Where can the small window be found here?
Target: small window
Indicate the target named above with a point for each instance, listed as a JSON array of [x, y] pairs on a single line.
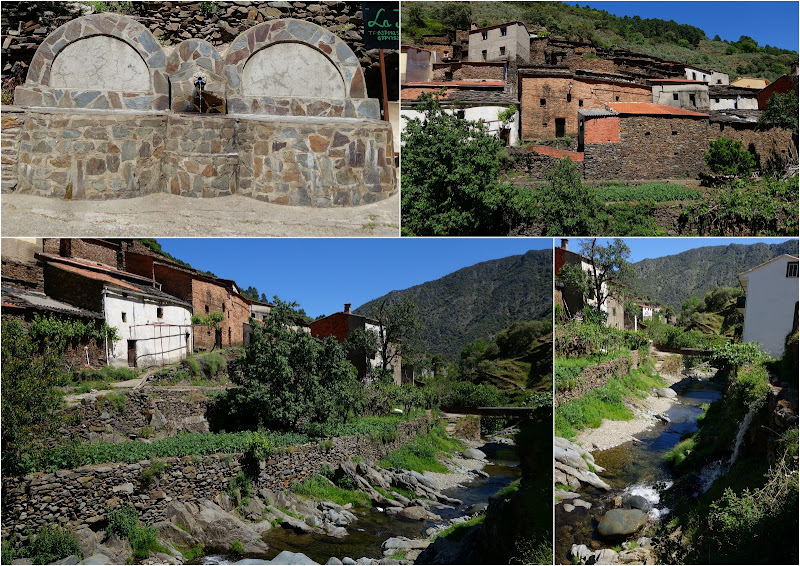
[[674, 132], [791, 269], [159, 312], [719, 81], [460, 114], [544, 124], [616, 98], [580, 102], [721, 127], [485, 35], [124, 317], [569, 97], [692, 99], [647, 133], [206, 309], [483, 54], [542, 101], [448, 75], [716, 100], [502, 50], [503, 31], [694, 76], [674, 96], [223, 307]]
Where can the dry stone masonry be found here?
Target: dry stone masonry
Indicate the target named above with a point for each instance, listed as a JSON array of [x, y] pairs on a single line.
[[281, 115]]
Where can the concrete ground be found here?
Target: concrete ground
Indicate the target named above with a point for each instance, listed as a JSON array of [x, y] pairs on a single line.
[[165, 215]]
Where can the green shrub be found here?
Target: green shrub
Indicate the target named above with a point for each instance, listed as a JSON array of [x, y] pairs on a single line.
[[239, 486], [420, 454], [122, 521], [117, 400], [465, 394], [318, 487], [108, 374], [215, 362], [733, 355], [655, 192], [193, 365], [52, 543], [727, 157], [752, 385], [146, 478], [237, 547]]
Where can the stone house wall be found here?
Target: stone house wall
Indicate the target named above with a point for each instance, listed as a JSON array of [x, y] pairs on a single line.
[[11, 124], [219, 299], [73, 288], [26, 275], [83, 496], [539, 120], [468, 71], [92, 249]]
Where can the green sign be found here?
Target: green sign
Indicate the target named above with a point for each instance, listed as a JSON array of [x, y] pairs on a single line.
[[381, 25]]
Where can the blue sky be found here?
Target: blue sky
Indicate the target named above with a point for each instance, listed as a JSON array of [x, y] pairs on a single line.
[[644, 248], [769, 23], [323, 274]]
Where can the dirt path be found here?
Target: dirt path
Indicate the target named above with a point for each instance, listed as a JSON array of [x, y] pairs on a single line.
[[165, 215]]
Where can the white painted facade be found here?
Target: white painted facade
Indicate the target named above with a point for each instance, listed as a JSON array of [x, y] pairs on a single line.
[[771, 291], [486, 113], [710, 77], [648, 311], [738, 103], [146, 337]]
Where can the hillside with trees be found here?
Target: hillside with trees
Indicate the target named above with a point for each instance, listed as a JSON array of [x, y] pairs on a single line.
[[674, 279], [655, 37], [479, 301]]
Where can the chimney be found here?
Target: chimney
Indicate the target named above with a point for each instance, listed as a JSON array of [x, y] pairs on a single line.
[[347, 308], [564, 244]]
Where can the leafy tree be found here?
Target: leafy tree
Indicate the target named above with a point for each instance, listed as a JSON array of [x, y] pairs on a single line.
[[606, 264], [30, 397], [289, 380], [567, 206], [398, 329], [251, 293], [450, 181], [455, 15], [781, 112], [414, 14], [727, 157], [362, 343]]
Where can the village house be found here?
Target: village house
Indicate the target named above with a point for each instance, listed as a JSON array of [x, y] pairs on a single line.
[[340, 325], [732, 98], [572, 300], [782, 85], [648, 311], [620, 141], [154, 327], [551, 97], [416, 64], [680, 93], [710, 77], [509, 41], [207, 294], [770, 302]]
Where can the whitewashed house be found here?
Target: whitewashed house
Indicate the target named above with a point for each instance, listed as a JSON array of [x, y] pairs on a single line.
[[154, 328], [770, 302], [649, 310]]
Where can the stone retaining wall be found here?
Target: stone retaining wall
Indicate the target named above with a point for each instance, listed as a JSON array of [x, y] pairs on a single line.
[[147, 412], [286, 160], [597, 375], [83, 496]]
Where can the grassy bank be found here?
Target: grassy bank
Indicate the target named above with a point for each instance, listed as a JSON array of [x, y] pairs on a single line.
[[420, 454], [606, 401]]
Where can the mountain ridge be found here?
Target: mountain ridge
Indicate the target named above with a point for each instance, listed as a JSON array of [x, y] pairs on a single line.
[[479, 300]]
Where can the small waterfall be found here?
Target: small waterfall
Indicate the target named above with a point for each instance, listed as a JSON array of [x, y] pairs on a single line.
[[743, 426]]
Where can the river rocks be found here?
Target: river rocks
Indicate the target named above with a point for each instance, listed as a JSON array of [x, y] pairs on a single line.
[[636, 502], [403, 543], [97, 559], [574, 478], [621, 522], [666, 392], [474, 454], [418, 513]]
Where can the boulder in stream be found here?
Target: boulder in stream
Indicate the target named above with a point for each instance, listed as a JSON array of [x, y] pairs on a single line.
[[636, 502], [666, 392], [621, 522], [474, 454]]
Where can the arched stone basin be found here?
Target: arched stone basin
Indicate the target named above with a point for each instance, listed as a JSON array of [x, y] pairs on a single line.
[[313, 139]]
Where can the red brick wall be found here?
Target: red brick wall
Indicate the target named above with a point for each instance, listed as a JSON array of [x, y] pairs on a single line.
[[173, 281], [601, 130], [555, 91], [334, 325], [90, 249], [139, 264], [26, 275], [781, 85]]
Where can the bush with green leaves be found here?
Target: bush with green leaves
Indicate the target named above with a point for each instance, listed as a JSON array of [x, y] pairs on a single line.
[[450, 181], [655, 192], [289, 380], [124, 521], [465, 394], [727, 157], [733, 355], [567, 206], [239, 487], [52, 543]]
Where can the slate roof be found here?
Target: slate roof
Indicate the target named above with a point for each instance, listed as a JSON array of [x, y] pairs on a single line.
[[648, 109], [25, 299], [728, 91], [465, 95]]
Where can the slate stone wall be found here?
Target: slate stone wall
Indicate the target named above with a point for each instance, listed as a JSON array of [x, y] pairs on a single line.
[[83, 496]]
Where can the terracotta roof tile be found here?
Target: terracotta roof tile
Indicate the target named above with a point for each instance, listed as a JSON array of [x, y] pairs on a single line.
[[648, 109]]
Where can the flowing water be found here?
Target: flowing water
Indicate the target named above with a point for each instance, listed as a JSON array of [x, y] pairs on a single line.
[[635, 468], [373, 527]]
